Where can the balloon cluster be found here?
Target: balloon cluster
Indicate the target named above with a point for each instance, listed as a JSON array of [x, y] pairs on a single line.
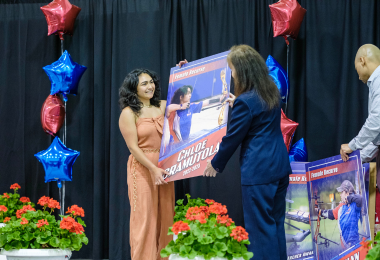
[[287, 16], [64, 75]]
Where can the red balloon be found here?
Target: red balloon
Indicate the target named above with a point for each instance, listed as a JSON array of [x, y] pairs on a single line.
[[60, 17], [288, 127], [287, 16], [52, 114]]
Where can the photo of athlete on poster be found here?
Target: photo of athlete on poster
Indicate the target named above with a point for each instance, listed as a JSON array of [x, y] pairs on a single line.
[[196, 115], [180, 112], [338, 206]]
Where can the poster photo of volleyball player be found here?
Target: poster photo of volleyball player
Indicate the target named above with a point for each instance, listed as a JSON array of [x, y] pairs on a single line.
[[196, 116]]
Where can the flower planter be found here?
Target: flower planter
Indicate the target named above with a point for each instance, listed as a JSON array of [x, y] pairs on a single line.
[[37, 254], [175, 237], [2, 257], [177, 257]]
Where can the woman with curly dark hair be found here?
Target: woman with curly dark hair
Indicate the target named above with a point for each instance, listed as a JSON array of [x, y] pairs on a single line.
[[151, 198]]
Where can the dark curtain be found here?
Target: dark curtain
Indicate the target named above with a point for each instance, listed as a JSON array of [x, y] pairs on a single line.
[[112, 37]]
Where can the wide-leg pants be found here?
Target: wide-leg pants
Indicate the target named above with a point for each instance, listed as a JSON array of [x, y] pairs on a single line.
[[264, 215], [152, 211]]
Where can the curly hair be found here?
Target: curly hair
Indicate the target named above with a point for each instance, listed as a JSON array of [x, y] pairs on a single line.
[[128, 91], [181, 92]]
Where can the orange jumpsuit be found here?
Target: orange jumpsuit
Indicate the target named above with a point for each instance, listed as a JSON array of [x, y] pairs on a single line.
[[152, 206]]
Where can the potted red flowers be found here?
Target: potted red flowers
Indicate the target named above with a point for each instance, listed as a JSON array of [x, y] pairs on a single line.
[[11, 202], [205, 231], [36, 234]]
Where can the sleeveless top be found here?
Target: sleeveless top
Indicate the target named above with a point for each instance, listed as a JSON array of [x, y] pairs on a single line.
[[149, 132]]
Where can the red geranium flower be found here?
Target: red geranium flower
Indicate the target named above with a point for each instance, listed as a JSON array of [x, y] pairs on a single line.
[[3, 208], [71, 225], [67, 223], [6, 195], [218, 209], [43, 201], [53, 204], [224, 220], [15, 186], [48, 202], [196, 213], [24, 221], [180, 226], [42, 222], [209, 201], [24, 210], [24, 199], [7, 219], [206, 210], [75, 210], [77, 228], [239, 234]]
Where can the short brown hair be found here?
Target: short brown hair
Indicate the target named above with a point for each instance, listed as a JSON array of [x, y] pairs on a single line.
[[252, 74]]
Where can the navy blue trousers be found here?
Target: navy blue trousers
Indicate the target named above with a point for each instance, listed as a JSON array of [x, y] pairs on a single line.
[[264, 215]]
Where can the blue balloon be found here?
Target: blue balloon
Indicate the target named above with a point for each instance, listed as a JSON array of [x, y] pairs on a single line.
[[279, 76], [64, 75], [298, 152], [57, 161]]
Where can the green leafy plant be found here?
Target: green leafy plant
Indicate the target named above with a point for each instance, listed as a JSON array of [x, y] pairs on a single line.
[[204, 229], [181, 209], [11, 202], [40, 229], [374, 252]]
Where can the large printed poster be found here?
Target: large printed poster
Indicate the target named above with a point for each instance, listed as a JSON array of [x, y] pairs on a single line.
[[299, 240], [196, 116], [338, 207]]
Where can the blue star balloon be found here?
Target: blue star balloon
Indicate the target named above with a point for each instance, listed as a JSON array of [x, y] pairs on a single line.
[[58, 161], [298, 152], [279, 76], [64, 75]]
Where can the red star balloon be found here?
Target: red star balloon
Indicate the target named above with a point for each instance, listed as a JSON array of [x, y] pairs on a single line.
[[52, 114], [288, 127], [60, 17], [287, 16]]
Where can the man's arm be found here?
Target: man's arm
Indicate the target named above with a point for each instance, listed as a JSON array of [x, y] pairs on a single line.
[[371, 127], [369, 152]]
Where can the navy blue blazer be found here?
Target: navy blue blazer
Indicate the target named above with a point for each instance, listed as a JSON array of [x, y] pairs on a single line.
[[263, 157]]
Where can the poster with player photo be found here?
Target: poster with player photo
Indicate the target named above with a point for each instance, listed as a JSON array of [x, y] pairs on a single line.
[[196, 116], [338, 207]]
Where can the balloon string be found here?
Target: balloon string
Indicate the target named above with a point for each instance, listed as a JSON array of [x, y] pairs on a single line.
[[61, 47], [63, 198], [287, 74], [62, 190], [65, 130], [60, 198]]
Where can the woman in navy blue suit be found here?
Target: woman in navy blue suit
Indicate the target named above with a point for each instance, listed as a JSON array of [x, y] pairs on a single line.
[[264, 161]]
